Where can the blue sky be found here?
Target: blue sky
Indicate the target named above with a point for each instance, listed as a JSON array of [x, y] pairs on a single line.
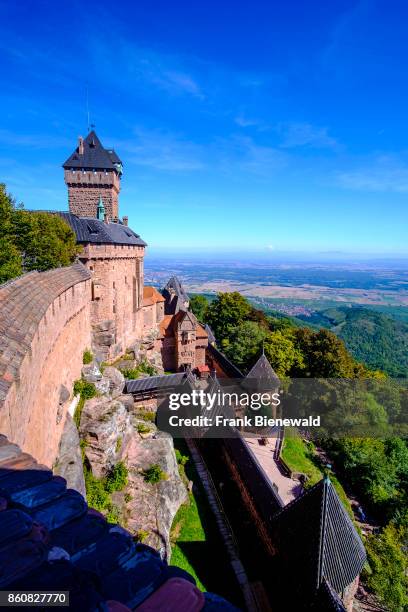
[[245, 126]]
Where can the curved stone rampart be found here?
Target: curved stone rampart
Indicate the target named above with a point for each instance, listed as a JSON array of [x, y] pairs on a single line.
[[44, 329]]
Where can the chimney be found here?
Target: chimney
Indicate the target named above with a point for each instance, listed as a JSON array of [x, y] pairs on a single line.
[[106, 219], [125, 220], [80, 145]]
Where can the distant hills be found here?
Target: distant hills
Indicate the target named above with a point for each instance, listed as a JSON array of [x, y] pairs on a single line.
[[374, 338]]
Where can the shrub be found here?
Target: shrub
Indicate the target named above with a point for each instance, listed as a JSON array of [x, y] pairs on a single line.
[[117, 478], [142, 429], [96, 493], [147, 368], [147, 416], [141, 535], [388, 567], [113, 514], [143, 368], [127, 497], [181, 459], [119, 442], [87, 357], [131, 373], [154, 474], [85, 389]]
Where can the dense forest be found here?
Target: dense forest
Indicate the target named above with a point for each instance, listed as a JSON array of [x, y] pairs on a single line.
[[375, 469], [32, 240], [374, 338]]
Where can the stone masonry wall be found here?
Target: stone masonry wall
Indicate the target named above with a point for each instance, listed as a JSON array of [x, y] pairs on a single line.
[[44, 329], [85, 188], [117, 296]]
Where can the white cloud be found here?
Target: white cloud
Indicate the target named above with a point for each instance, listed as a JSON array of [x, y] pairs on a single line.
[[163, 150], [259, 159], [184, 82], [243, 121], [305, 135], [385, 173]]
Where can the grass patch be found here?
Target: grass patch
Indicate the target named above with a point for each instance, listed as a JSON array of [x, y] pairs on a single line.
[[98, 490], [196, 544], [146, 416], [87, 357], [154, 474], [85, 390], [143, 368], [188, 527], [300, 456], [141, 535], [143, 429]]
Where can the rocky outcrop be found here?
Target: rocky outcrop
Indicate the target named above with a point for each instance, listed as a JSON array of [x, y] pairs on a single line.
[[106, 430], [111, 432], [91, 373], [145, 350], [116, 380], [111, 382], [103, 338], [153, 506], [69, 461]]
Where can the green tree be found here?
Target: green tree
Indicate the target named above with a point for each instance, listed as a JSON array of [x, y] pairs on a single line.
[[46, 241], [325, 356], [32, 240], [10, 256], [199, 305], [387, 576], [282, 353], [226, 312], [244, 343]]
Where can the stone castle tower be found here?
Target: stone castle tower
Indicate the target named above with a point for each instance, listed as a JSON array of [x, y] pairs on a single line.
[[111, 251], [92, 175]]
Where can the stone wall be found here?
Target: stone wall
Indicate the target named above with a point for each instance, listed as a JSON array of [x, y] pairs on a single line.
[[152, 315], [85, 187], [44, 329], [117, 296]]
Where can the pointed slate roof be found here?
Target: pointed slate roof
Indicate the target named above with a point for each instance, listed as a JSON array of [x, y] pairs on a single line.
[[175, 296], [210, 334], [262, 369], [94, 157], [327, 600], [318, 539], [262, 375]]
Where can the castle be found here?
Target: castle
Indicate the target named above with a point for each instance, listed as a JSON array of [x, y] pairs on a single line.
[[48, 320], [123, 310]]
